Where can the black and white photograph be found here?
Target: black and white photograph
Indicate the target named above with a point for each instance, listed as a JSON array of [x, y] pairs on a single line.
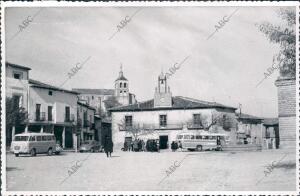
[[152, 97]]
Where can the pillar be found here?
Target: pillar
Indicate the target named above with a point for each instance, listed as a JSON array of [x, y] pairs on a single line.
[[64, 137], [26, 129], [42, 129], [13, 132], [75, 142]]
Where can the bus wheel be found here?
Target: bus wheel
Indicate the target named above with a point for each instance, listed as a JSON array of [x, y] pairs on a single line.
[[199, 148], [17, 155], [50, 152], [32, 152]]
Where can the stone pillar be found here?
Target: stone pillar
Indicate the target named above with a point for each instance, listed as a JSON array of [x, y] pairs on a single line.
[[13, 133], [64, 137], [287, 112], [75, 142]]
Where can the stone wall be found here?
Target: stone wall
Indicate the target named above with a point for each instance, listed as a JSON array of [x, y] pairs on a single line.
[[287, 112]]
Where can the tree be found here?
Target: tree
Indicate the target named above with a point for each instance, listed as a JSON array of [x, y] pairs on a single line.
[[15, 117], [216, 120], [135, 129], [284, 35]]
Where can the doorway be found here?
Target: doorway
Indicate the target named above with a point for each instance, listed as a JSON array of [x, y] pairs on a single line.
[[163, 142]]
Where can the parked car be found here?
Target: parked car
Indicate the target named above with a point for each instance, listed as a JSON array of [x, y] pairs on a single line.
[[58, 149], [33, 143], [151, 145], [90, 146]]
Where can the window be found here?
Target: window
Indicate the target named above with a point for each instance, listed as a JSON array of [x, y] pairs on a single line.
[[163, 120], [187, 137], [50, 93], [197, 120], [92, 97], [32, 138], [21, 138], [18, 75], [38, 138], [125, 85], [198, 137], [179, 136], [67, 117], [38, 112], [206, 137], [121, 92], [49, 138], [121, 85], [50, 113], [192, 137], [44, 138], [16, 101], [128, 121]]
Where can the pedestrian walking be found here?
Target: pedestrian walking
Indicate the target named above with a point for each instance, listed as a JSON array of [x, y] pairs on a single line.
[[108, 146]]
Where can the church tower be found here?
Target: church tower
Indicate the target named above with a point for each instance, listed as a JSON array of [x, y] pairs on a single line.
[[162, 96], [122, 88]]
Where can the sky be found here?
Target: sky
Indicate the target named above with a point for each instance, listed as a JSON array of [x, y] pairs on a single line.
[[224, 68]]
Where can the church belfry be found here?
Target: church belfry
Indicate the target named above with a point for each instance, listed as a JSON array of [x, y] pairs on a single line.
[[163, 95], [122, 88]]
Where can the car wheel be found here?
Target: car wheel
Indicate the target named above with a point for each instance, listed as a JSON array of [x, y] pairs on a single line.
[[32, 152], [57, 153], [199, 148], [50, 152], [17, 155], [92, 150]]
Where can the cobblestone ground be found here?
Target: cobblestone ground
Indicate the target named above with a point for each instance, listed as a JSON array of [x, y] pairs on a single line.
[[141, 171]]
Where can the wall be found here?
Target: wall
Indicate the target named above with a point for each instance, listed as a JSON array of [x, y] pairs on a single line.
[[152, 117], [59, 100], [287, 112]]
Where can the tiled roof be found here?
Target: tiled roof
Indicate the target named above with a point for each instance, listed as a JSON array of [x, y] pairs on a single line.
[[38, 84], [247, 116], [270, 121], [178, 102], [94, 91], [17, 66], [85, 105], [121, 78]]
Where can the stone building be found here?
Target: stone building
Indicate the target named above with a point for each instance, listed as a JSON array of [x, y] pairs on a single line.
[[97, 97], [287, 112]]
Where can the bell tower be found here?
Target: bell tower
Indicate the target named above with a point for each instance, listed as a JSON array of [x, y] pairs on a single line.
[[122, 88], [163, 95]]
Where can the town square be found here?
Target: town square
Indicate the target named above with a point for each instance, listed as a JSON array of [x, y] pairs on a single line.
[[142, 97]]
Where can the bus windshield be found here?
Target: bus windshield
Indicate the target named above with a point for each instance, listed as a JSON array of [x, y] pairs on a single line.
[[21, 138]]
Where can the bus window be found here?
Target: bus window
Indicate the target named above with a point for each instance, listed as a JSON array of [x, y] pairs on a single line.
[[44, 138], [38, 138], [192, 137], [206, 137], [21, 138], [213, 137], [179, 136], [49, 138], [32, 138], [198, 137], [187, 137]]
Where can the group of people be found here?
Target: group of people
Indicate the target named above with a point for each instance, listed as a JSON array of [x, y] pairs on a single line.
[[136, 145]]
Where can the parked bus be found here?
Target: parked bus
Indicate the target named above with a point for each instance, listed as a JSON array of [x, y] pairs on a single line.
[[33, 143], [202, 141]]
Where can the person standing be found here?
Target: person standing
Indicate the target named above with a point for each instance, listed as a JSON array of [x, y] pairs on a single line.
[[108, 146]]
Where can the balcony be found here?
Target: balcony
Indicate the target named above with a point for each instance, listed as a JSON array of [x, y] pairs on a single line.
[[40, 116], [70, 118], [145, 126], [86, 123], [195, 125]]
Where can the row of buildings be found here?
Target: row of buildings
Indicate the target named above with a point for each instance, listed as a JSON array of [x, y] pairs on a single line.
[[90, 114], [73, 116], [164, 116]]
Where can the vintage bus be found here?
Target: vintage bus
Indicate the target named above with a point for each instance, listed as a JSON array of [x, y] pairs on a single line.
[[202, 141], [33, 143]]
